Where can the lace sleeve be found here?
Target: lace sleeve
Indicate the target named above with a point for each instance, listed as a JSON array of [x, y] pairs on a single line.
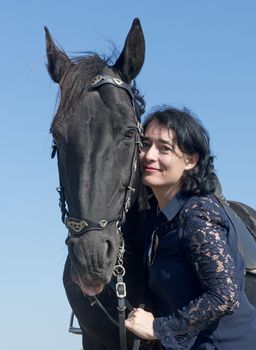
[[205, 246]]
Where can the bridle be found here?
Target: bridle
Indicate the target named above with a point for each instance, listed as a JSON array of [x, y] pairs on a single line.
[[78, 227]]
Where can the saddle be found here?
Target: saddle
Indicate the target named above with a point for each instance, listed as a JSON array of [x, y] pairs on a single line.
[[243, 218]]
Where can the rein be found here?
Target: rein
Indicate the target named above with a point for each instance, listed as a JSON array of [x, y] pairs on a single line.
[[78, 227]]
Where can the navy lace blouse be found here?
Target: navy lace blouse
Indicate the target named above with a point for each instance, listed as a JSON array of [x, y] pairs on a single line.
[[196, 278]]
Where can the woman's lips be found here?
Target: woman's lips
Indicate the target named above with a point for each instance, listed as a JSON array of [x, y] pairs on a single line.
[[149, 169]]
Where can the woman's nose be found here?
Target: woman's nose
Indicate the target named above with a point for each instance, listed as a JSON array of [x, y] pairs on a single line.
[[151, 153]]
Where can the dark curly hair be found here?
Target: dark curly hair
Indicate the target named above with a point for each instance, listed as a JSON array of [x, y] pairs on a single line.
[[192, 138]]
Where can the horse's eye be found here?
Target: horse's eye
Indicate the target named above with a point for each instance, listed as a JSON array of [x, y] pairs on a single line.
[[54, 149], [129, 134]]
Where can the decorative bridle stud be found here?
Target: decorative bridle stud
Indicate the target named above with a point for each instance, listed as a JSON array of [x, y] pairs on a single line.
[[76, 226], [103, 223]]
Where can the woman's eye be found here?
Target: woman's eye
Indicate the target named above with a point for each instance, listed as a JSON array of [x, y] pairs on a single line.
[[145, 145], [165, 149]]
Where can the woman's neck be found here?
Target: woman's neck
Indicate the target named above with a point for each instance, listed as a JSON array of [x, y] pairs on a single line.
[[164, 195]]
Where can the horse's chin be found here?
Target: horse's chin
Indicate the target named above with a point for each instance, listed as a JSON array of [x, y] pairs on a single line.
[[91, 286], [89, 289], [92, 290]]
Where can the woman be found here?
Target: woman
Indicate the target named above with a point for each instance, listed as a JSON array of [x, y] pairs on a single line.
[[195, 270]]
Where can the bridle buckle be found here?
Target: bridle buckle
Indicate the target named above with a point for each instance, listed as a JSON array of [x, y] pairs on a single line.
[[121, 290]]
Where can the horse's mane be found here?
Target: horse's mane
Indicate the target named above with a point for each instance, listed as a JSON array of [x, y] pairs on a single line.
[[78, 75]]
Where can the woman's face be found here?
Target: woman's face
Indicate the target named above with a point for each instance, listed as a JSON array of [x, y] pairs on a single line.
[[161, 161]]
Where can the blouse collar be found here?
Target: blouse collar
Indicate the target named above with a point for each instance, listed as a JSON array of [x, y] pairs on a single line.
[[174, 205]]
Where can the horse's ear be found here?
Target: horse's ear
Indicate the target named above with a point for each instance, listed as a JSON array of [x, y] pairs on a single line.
[[57, 59], [131, 58]]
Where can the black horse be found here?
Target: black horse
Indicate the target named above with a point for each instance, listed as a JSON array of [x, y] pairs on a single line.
[[96, 134]]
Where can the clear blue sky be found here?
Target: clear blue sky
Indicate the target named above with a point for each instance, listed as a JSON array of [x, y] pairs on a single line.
[[201, 54]]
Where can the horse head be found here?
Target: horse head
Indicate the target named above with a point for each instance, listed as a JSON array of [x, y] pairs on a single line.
[[96, 133]]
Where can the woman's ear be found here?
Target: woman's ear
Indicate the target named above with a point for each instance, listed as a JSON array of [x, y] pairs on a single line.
[[190, 161]]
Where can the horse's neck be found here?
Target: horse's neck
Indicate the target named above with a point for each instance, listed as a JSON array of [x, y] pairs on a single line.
[[134, 228], [134, 235]]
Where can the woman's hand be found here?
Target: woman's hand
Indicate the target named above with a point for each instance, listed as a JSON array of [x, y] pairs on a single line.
[[140, 322]]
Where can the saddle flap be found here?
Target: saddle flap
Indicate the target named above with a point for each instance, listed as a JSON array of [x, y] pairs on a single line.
[[246, 238]]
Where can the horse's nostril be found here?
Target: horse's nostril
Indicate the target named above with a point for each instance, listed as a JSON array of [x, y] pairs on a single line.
[[71, 245], [108, 249], [67, 241]]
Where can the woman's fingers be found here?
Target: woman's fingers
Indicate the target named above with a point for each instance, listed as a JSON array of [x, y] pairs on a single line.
[[140, 323]]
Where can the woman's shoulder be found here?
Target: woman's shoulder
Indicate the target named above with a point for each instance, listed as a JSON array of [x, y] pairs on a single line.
[[205, 207], [202, 201]]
